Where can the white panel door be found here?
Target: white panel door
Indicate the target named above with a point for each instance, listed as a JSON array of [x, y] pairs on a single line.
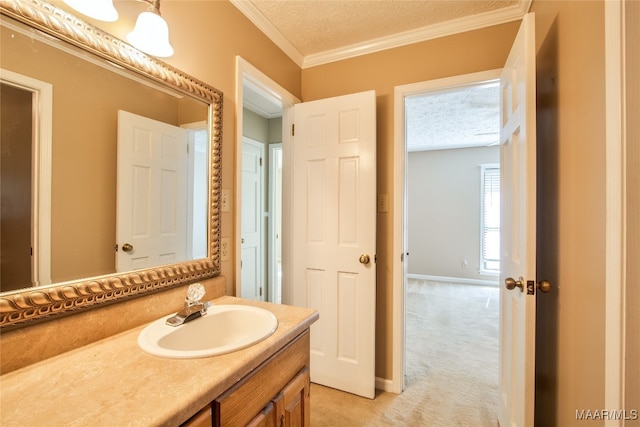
[[518, 234], [334, 236], [152, 193], [252, 244]]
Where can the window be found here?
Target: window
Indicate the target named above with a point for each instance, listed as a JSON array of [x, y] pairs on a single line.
[[490, 219]]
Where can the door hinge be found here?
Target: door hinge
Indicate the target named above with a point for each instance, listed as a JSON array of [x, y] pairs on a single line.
[[293, 130], [260, 290], [260, 161]]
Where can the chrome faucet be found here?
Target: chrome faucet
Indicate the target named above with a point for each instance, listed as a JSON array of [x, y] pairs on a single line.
[[193, 307]]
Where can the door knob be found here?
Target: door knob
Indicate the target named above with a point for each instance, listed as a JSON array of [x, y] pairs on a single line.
[[364, 259], [544, 286], [127, 247], [511, 283]]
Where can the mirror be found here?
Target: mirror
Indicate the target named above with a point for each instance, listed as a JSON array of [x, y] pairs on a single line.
[[74, 210]]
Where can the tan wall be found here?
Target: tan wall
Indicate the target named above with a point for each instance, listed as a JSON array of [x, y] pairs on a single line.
[[465, 53]]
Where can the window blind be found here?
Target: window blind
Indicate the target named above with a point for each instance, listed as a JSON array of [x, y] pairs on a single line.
[[490, 223]]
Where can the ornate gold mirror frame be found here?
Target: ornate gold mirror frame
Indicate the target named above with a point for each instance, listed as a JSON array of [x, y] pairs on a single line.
[[23, 307]]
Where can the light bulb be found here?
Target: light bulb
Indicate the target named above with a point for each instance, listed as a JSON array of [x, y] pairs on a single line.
[[151, 35]]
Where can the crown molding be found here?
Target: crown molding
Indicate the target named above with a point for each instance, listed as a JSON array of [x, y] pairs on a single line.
[[430, 32], [258, 19]]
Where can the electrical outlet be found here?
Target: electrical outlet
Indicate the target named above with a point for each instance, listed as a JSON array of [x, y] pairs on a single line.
[[225, 248], [225, 200]]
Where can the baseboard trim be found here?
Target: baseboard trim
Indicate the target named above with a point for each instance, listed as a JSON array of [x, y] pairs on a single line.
[[454, 279], [384, 385]]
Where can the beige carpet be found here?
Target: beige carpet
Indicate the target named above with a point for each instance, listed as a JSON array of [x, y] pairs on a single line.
[[452, 365]]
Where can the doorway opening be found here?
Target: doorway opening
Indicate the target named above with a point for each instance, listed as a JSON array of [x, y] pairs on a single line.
[[197, 191], [263, 112], [25, 181], [448, 150], [275, 224]]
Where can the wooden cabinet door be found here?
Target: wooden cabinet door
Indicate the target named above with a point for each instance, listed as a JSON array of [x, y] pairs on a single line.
[[270, 415], [290, 408], [295, 401]]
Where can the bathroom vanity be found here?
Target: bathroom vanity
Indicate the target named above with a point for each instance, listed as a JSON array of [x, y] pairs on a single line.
[[112, 382]]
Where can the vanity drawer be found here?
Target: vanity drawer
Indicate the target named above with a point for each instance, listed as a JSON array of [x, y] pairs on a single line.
[[246, 399]]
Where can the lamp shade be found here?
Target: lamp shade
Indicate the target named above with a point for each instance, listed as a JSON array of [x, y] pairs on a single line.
[[151, 35], [102, 10]]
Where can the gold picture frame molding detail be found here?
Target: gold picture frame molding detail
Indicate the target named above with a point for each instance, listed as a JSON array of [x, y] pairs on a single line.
[[26, 306]]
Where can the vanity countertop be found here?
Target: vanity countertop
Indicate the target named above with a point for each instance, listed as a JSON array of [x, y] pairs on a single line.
[[114, 383]]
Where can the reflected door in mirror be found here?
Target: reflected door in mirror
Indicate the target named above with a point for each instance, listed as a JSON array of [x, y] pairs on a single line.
[[154, 226], [15, 187], [152, 188]]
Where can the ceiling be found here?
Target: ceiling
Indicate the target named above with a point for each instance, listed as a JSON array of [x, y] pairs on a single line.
[[458, 118], [315, 32]]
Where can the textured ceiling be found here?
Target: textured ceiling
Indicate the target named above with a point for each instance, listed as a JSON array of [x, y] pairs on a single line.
[[315, 26], [465, 117]]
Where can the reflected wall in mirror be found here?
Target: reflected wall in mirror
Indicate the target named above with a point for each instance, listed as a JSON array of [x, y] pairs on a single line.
[[80, 84]]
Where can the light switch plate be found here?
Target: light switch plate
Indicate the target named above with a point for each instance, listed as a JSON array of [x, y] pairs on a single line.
[[225, 248], [383, 203], [225, 200]]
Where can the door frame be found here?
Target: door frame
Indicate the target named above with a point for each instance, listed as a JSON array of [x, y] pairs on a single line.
[[194, 215], [41, 169], [615, 142], [396, 383], [275, 217], [246, 71]]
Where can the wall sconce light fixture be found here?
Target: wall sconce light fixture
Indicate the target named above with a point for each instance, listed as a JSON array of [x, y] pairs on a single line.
[[150, 34]]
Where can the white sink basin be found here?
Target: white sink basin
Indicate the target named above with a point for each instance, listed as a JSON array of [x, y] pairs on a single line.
[[225, 328]]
